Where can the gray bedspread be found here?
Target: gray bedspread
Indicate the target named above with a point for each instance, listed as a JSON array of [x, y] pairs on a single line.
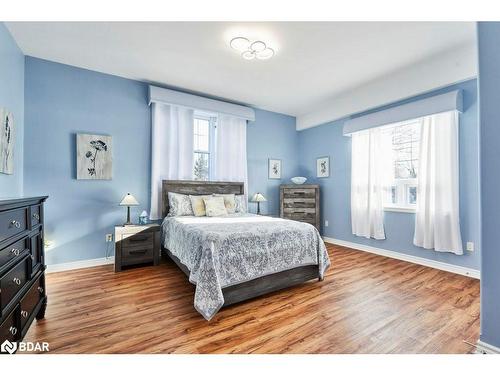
[[228, 250]]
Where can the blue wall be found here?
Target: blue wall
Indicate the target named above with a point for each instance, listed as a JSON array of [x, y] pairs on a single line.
[[489, 93], [272, 135], [12, 99], [328, 140], [61, 101]]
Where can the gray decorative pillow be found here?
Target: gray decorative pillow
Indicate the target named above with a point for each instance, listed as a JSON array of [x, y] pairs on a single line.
[[240, 204], [179, 205]]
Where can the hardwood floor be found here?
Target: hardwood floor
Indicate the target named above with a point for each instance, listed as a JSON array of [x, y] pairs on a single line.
[[366, 304]]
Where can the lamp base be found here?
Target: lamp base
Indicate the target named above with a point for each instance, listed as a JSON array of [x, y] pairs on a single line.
[[128, 222]]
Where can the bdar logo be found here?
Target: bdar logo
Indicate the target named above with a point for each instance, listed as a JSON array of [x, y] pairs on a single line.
[[8, 347]]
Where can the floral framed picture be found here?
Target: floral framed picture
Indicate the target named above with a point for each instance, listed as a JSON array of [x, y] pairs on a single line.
[[274, 169], [94, 159], [323, 167], [6, 142]]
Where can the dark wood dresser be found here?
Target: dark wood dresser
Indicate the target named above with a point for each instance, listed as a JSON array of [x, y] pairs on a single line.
[[22, 266], [301, 203]]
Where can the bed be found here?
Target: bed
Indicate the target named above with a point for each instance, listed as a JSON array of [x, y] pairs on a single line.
[[238, 256]]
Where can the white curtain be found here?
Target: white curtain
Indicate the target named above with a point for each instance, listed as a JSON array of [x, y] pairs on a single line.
[[231, 150], [172, 149], [370, 168], [437, 222]]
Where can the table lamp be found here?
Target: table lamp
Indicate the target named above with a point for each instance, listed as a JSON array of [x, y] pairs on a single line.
[[258, 197], [128, 200]]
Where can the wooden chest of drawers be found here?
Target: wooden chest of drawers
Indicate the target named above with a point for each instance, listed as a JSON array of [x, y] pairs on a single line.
[[301, 203], [22, 267]]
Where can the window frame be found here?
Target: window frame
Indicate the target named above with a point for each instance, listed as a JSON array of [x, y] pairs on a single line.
[[402, 185], [212, 126]]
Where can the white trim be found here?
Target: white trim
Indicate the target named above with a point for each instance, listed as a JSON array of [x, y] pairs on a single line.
[[470, 272], [167, 96], [485, 348], [59, 267], [409, 210]]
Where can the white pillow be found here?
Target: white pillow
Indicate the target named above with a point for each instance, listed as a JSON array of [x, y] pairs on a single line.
[[198, 205], [229, 202], [214, 206], [179, 205]]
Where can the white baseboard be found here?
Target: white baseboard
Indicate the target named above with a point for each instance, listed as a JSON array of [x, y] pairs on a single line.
[[79, 264], [485, 348], [408, 258]]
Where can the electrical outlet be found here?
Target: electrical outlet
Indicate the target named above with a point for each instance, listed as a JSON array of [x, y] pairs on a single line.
[[109, 237], [326, 223], [470, 246]]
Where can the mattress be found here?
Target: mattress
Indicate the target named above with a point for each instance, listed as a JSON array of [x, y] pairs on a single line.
[[232, 249]]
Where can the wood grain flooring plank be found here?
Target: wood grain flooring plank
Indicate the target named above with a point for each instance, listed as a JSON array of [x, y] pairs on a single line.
[[366, 304]]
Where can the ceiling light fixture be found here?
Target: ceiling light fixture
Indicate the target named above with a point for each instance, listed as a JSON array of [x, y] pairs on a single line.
[[240, 44], [250, 51]]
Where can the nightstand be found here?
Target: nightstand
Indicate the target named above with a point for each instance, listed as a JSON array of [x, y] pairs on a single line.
[[137, 244]]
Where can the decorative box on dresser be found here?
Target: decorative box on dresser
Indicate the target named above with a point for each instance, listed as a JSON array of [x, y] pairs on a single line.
[[301, 203], [22, 266]]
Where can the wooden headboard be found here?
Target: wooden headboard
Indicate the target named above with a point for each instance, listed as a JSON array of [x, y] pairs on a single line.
[[197, 188]]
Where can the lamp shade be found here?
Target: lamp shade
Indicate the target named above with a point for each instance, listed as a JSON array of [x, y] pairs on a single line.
[[258, 197], [129, 200]]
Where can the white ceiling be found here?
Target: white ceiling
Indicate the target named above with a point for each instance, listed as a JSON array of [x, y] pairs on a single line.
[[314, 61]]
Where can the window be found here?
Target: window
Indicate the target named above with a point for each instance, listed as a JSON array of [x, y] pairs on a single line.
[[405, 142], [204, 128]]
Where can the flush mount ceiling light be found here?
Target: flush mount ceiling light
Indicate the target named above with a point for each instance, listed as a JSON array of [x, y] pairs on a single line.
[[251, 50], [240, 44]]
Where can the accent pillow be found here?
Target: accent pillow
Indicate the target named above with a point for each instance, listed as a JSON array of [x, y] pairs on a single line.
[[179, 205], [229, 202], [241, 206], [214, 206], [198, 205]]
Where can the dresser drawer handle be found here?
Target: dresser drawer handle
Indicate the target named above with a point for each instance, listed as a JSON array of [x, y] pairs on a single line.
[[137, 252], [138, 239], [24, 314], [36, 216], [13, 330], [16, 252], [40, 289], [15, 223], [16, 281]]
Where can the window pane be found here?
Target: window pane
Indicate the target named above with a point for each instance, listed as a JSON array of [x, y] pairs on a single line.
[[394, 195], [405, 141], [203, 143], [203, 127], [201, 166], [412, 195], [201, 135], [405, 169], [405, 146]]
